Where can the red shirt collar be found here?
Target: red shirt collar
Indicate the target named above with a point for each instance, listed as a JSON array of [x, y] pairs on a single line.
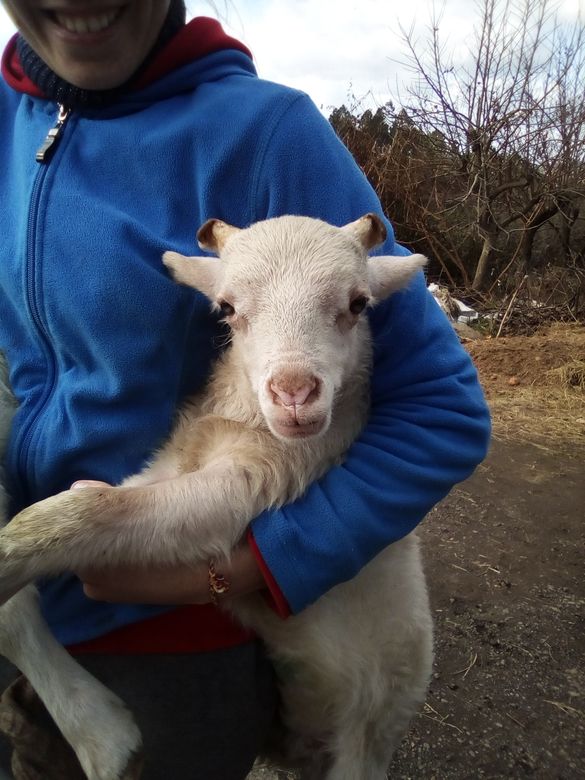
[[201, 36]]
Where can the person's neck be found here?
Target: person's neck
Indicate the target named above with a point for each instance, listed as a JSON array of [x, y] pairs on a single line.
[[61, 91]]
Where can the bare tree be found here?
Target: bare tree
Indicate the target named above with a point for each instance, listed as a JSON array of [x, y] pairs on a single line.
[[513, 121]]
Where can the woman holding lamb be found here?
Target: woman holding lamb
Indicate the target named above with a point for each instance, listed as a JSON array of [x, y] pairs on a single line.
[[124, 128]]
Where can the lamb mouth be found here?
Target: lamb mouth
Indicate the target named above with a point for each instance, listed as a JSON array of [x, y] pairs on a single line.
[[292, 429]]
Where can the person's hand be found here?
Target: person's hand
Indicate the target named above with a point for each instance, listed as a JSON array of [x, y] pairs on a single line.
[[177, 584]]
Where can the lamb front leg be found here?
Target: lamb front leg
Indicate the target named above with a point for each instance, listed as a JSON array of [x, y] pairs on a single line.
[[184, 520], [94, 721]]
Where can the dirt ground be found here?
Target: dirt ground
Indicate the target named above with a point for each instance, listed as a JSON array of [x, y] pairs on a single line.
[[505, 563]]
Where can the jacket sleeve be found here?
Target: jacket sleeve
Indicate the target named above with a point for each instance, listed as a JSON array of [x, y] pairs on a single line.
[[428, 426]]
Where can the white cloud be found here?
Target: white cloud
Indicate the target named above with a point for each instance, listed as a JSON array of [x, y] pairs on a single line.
[[6, 27], [331, 48], [336, 49], [326, 47]]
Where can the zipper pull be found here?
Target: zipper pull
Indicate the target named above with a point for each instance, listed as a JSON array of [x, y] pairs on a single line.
[[49, 145]]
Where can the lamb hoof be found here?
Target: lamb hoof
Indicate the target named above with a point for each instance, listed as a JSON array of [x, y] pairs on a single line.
[[134, 768], [113, 749], [110, 770]]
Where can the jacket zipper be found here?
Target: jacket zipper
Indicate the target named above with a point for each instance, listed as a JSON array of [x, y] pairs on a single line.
[[47, 149], [43, 156]]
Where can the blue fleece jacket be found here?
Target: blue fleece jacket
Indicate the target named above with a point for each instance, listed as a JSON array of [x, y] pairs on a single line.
[[102, 345]]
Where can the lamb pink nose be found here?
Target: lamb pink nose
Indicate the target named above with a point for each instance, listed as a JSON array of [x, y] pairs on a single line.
[[293, 393]]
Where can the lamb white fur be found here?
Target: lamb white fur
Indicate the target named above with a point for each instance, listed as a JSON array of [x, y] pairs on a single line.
[[283, 405]]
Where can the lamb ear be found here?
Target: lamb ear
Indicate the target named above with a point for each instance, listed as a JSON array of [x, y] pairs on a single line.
[[203, 273], [369, 230], [213, 234], [389, 274]]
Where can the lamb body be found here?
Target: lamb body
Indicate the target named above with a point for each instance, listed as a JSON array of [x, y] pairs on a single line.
[[283, 406]]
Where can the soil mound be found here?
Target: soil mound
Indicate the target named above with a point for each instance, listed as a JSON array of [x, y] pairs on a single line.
[[535, 385]]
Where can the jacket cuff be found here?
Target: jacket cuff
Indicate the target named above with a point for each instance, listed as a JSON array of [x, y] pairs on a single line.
[[274, 596]]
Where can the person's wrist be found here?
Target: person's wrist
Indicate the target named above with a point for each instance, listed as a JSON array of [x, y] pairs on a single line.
[[218, 583], [237, 576]]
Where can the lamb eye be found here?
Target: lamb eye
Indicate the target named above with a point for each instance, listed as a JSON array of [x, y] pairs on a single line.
[[226, 308], [358, 304]]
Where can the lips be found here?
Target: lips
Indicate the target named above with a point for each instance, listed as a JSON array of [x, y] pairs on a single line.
[[88, 23]]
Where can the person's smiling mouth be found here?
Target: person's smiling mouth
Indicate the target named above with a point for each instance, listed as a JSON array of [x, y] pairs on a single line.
[[87, 23]]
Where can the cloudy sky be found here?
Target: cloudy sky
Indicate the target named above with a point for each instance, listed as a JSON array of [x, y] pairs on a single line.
[[334, 49]]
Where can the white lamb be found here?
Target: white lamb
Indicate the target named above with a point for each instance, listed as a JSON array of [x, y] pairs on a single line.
[[284, 403]]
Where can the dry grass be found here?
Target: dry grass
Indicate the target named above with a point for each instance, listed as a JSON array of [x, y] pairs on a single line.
[[539, 415], [570, 375], [535, 385]]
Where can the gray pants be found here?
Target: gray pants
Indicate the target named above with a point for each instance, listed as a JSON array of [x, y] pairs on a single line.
[[202, 715]]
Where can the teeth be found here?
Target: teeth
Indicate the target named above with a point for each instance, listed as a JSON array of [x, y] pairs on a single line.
[[86, 24]]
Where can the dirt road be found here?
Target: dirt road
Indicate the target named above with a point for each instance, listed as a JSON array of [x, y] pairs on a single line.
[[504, 556]]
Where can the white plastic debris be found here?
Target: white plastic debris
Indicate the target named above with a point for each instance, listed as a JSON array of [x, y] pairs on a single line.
[[456, 310]]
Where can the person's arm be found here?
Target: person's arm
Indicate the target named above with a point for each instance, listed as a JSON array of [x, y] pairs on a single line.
[[429, 424], [178, 584], [428, 427]]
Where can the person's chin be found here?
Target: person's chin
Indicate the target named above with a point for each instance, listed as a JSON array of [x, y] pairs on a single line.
[[95, 76]]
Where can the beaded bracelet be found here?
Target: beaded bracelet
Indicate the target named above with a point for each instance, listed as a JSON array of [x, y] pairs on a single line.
[[218, 584]]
